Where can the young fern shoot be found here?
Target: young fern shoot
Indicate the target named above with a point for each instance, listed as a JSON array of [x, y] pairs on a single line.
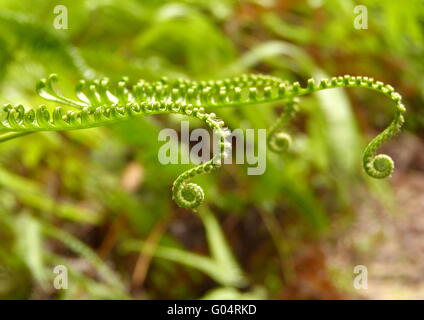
[[99, 103], [278, 140]]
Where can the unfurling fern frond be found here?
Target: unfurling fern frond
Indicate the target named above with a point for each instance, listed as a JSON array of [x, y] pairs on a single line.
[[279, 141], [100, 103]]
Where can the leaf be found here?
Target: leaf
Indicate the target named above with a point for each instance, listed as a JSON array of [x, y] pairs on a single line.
[[342, 131], [221, 266], [29, 245], [220, 250], [107, 274], [31, 194]]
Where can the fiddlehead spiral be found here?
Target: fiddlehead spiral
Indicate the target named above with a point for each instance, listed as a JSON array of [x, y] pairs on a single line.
[[381, 166], [375, 165], [102, 103], [277, 140], [190, 195]]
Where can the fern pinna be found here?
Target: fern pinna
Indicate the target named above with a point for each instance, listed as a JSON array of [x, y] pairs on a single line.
[[100, 103]]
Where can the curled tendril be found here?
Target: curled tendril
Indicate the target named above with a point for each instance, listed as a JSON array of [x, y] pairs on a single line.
[[277, 140], [189, 195], [382, 166], [100, 102]]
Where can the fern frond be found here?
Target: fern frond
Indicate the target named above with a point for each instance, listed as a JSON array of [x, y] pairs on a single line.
[[101, 103]]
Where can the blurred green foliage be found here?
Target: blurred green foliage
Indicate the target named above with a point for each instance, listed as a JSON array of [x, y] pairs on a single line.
[[99, 202]]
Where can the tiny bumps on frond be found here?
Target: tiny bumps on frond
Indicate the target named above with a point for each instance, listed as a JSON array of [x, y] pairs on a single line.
[[19, 119], [246, 89]]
